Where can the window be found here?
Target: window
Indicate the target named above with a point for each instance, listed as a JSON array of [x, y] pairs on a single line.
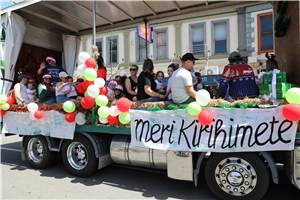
[[198, 40], [161, 45], [99, 45], [84, 46], [113, 49], [265, 32], [142, 48], [220, 37]]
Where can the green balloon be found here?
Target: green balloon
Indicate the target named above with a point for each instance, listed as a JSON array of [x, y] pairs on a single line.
[[86, 94], [101, 100], [124, 118], [293, 95], [194, 108], [90, 74], [3, 99], [69, 106], [5, 106], [103, 111]]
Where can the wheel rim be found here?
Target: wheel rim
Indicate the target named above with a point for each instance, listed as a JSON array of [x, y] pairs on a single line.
[[77, 155], [236, 176], [35, 150]]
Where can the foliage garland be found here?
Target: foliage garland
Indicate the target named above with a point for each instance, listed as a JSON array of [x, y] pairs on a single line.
[[282, 22]]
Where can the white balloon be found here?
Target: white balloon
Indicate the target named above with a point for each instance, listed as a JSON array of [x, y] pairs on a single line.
[[32, 107], [100, 82], [114, 111], [31, 116], [93, 91], [203, 97], [83, 56], [81, 68], [80, 119], [103, 120]]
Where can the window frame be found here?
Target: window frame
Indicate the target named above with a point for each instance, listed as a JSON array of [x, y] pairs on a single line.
[[99, 39], [154, 43], [213, 36], [108, 49], [137, 48], [259, 16], [203, 24]]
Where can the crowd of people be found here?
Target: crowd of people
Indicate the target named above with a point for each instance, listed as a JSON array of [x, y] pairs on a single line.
[[238, 81]]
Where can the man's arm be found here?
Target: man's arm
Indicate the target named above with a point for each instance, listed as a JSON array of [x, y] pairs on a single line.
[[191, 91], [42, 66], [223, 85], [17, 89]]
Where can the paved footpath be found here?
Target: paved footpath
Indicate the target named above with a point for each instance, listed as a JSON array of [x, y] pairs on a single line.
[[20, 181]]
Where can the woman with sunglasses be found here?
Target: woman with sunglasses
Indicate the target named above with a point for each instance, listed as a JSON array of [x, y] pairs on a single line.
[[131, 83], [62, 89], [46, 90]]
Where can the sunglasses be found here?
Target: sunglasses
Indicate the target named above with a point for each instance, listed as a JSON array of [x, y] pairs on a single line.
[[118, 90], [47, 78], [192, 61], [132, 69]]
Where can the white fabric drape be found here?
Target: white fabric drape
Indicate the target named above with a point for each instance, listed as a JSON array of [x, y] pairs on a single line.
[[16, 28], [71, 45]]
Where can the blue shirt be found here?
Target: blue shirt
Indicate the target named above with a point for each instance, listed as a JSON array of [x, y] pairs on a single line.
[[54, 71]]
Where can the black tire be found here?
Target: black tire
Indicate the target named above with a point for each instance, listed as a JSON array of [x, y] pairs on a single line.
[[37, 152], [237, 176], [78, 156]]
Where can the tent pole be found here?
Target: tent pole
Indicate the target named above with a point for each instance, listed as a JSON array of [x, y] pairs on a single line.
[[94, 22]]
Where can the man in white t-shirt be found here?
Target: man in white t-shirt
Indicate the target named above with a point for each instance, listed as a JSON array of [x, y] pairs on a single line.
[[182, 83]]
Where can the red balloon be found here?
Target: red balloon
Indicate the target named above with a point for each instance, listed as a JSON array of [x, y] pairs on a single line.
[[101, 73], [86, 84], [103, 67], [205, 117], [39, 114], [291, 112], [70, 117], [88, 102], [80, 88], [11, 100], [2, 112], [123, 104], [103, 90], [90, 63], [112, 119]]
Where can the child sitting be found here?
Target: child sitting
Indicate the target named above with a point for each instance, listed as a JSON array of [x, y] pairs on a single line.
[[111, 87], [31, 92], [160, 87], [71, 92], [119, 91], [171, 68]]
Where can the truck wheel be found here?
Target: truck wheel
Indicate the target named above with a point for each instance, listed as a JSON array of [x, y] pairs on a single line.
[[237, 176], [78, 156], [37, 152]]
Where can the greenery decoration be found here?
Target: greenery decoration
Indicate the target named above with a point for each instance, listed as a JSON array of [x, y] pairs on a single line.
[[173, 107], [95, 116], [87, 112], [155, 108], [282, 22]]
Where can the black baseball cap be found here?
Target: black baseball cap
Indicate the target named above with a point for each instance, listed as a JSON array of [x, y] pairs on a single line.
[[188, 56]]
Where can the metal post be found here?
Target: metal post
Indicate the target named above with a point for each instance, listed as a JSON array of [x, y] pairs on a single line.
[[146, 37], [111, 44], [94, 22]]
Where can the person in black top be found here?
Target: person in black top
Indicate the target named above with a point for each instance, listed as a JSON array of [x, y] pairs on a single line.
[[146, 84], [131, 83]]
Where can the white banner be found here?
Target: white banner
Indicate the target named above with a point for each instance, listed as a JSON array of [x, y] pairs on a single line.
[[232, 130], [53, 124]]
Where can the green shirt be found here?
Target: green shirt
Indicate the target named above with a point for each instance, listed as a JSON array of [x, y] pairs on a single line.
[[45, 95]]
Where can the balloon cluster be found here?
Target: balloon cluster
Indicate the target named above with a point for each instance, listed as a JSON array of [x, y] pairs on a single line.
[[5, 103], [93, 87], [35, 113], [196, 108], [115, 113], [69, 107], [291, 111]]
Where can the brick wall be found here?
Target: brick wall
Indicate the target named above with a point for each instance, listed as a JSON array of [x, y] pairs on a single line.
[[287, 47]]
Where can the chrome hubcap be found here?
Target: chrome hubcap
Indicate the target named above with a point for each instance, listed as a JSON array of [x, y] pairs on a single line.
[[236, 176], [77, 155], [35, 150]]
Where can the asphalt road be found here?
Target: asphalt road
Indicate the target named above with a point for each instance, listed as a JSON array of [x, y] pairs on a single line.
[[20, 181]]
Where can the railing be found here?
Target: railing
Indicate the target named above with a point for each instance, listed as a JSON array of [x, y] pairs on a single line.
[[199, 51], [115, 70]]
